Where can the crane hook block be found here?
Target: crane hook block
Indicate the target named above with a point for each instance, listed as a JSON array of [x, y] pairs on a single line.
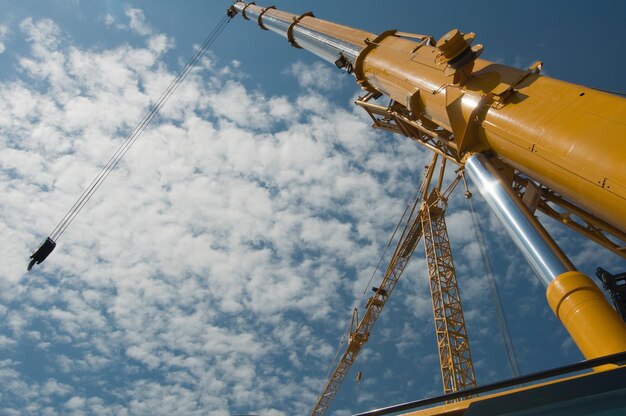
[[42, 252]]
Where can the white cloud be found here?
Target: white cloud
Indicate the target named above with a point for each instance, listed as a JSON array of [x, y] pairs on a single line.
[[160, 43], [44, 33], [109, 20], [138, 22], [4, 30], [319, 75], [156, 42]]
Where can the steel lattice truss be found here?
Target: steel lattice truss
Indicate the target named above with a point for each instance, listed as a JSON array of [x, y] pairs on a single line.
[[457, 370], [426, 219]]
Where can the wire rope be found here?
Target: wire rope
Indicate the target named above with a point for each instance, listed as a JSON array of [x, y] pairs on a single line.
[[409, 202], [125, 146], [495, 294]]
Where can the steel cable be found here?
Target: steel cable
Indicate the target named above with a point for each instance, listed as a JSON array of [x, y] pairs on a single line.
[[409, 202], [125, 146], [495, 294]]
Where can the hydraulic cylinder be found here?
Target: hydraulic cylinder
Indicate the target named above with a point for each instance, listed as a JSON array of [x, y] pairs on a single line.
[[593, 324]]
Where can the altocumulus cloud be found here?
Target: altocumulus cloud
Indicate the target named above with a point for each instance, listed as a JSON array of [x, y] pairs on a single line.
[[214, 270], [198, 279], [3, 33]]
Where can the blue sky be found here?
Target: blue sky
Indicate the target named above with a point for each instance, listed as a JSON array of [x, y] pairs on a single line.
[[216, 270]]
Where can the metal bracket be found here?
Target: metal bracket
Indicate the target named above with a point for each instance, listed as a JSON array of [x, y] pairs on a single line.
[[296, 20], [465, 132], [574, 217], [260, 21], [425, 41], [359, 73], [394, 118], [535, 69], [616, 286], [243, 12]]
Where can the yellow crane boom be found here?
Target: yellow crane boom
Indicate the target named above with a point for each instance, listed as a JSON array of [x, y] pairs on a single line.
[[529, 142], [540, 126]]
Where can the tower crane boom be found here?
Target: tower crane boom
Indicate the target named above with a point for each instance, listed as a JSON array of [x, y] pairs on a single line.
[[410, 236]]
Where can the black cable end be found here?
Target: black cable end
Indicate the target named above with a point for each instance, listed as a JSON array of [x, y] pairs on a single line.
[[42, 252]]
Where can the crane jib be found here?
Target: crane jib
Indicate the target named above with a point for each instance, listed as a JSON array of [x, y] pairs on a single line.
[[544, 128], [553, 146]]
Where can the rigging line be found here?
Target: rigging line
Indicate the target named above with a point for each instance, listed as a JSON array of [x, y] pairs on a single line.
[[411, 197], [495, 295], [124, 146], [406, 208], [131, 138], [136, 132], [333, 363]]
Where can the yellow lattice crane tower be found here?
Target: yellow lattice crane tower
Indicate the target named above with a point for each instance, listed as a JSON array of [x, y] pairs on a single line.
[[426, 219], [530, 143], [457, 369]]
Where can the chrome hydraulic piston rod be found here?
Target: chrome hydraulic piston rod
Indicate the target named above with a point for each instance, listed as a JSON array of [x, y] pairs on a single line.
[[540, 251], [593, 324]]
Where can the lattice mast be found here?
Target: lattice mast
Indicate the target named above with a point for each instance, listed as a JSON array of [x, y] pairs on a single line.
[[426, 219], [457, 368], [455, 358]]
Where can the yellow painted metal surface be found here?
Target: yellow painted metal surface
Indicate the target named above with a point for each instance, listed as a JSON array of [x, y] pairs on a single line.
[[457, 367], [459, 408], [593, 324], [567, 137]]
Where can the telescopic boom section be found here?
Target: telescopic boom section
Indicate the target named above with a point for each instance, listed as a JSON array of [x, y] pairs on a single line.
[[337, 44], [566, 138], [557, 145]]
